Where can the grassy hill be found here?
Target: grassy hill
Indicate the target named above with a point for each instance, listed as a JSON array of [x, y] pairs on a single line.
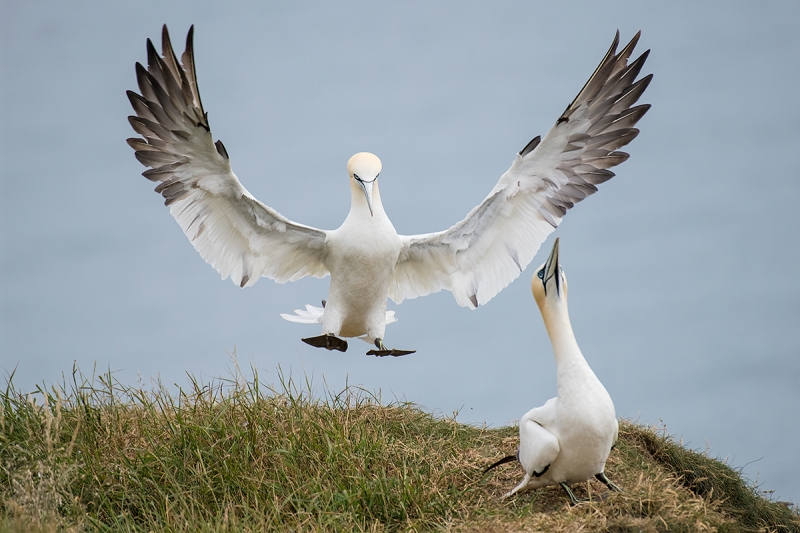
[[93, 455]]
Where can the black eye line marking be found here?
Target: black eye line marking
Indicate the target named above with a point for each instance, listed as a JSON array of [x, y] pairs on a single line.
[[556, 274], [355, 176]]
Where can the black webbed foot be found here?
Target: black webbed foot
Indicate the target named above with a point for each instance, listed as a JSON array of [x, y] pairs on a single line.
[[393, 352], [327, 341], [607, 482], [383, 351]]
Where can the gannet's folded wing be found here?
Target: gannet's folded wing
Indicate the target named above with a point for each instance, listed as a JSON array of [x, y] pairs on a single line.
[[538, 447], [235, 233], [482, 254]]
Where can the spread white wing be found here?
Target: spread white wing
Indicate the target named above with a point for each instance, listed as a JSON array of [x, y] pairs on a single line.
[[482, 254], [235, 233]]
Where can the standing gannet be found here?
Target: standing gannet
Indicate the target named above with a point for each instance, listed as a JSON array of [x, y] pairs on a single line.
[[568, 439], [367, 260]]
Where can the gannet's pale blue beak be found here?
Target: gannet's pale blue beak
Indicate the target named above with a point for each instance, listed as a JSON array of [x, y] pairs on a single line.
[[366, 186], [551, 269]]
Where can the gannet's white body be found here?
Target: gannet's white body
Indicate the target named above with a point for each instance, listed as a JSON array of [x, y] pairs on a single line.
[[569, 438], [362, 258], [367, 260]]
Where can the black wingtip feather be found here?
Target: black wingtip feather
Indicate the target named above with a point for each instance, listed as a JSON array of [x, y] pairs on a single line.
[[504, 460], [134, 142], [187, 58], [626, 52], [166, 43], [190, 40], [221, 149], [590, 88], [632, 95], [639, 111], [531, 146], [152, 54]]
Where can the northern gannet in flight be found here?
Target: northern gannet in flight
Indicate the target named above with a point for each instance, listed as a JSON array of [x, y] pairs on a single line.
[[569, 438], [367, 260]]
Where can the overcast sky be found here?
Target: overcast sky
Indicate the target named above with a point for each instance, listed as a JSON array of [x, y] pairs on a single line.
[[683, 269]]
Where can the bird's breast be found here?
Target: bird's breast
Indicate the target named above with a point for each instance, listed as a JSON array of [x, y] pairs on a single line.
[[362, 247], [362, 262]]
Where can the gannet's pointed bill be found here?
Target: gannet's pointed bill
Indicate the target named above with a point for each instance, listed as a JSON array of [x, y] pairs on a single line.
[[366, 186], [364, 168], [550, 270]]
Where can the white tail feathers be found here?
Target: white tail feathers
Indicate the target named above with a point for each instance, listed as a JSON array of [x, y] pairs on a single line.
[[313, 315]]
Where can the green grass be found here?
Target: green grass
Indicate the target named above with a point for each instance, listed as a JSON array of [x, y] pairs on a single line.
[[236, 455]]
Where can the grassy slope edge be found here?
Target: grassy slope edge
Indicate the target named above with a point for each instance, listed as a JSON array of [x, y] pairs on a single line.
[[94, 455]]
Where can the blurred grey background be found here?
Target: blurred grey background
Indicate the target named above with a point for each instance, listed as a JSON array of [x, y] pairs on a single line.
[[683, 269]]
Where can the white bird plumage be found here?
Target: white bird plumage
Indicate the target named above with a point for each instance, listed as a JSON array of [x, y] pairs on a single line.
[[569, 438], [368, 261]]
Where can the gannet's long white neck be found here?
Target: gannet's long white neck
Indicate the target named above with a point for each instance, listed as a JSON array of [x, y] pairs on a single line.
[[559, 328], [549, 288]]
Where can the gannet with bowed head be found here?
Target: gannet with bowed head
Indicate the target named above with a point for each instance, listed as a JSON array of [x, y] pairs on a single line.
[[368, 261], [569, 438], [361, 257]]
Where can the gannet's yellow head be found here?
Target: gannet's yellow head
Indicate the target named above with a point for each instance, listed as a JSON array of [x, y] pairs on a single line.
[[364, 169], [549, 283]]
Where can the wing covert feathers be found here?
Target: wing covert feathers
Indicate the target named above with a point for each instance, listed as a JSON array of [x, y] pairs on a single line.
[[235, 233], [482, 254]]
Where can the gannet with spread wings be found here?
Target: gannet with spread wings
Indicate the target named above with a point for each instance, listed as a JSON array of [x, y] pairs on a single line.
[[368, 261]]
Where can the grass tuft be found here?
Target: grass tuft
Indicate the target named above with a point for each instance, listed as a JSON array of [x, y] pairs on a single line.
[[239, 455], [715, 481]]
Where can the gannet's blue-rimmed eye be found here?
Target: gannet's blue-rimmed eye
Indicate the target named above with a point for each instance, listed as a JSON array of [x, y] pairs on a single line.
[[355, 175], [541, 274]]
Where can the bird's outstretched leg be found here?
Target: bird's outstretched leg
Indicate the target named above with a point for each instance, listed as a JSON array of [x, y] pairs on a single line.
[[607, 482], [383, 351], [327, 341], [572, 498]]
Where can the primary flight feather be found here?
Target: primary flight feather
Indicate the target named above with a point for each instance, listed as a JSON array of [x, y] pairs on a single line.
[[368, 261]]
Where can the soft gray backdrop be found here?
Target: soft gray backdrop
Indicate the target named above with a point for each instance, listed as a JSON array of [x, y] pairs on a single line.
[[683, 270]]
